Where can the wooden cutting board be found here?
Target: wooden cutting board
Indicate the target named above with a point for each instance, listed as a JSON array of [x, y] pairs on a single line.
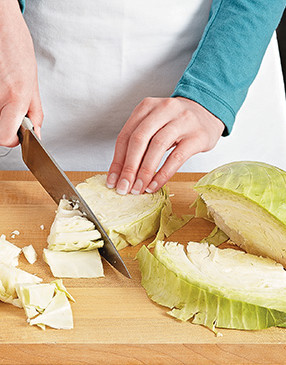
[[114, 320]]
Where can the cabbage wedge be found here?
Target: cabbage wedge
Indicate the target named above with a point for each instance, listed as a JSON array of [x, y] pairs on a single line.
[[201, 285], [130, 219], [246, 200]]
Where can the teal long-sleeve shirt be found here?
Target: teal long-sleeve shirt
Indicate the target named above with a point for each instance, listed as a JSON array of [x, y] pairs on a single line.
[[229, 55]]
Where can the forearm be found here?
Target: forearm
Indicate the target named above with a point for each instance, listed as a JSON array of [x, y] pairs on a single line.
[[229, 55]]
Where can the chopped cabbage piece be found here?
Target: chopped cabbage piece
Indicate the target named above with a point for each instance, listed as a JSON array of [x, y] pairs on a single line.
[[76, 264], [10, 277], [57, 314], [35, 297], [9, 253], [43, 305], [30, 254], [60, 287]]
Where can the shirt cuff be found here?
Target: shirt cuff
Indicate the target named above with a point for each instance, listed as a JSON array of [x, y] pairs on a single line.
[[22, 5]]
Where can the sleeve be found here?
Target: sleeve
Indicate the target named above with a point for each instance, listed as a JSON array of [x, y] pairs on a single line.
[[22, 5], [229, 55]]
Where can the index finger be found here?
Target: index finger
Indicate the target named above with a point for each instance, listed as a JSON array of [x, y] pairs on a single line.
[[141, 111]]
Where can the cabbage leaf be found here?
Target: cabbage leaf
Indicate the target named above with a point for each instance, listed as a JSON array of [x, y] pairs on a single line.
[[202, 286]]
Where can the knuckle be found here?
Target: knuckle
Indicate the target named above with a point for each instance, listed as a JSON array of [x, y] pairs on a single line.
[[145, 105], [159, 141], [15, 90], [14, 94], [147, 101], [178, 156], [163, 175], [128, 170], [116, 166], [169, 102], [172, 129], [188, 114], [123, 137], [145, 171], [138, 137]]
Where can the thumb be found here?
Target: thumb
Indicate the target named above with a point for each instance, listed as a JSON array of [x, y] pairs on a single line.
[[35, 111]]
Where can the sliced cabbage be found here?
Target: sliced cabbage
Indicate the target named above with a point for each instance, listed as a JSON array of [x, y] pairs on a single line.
[[58, 314], [60, 287], [9, 253], [35, 297], [30, 254], [47, 304], [214, 287], [76, 264], [71, 231], [10, 277], [130, 219], [247, 202]]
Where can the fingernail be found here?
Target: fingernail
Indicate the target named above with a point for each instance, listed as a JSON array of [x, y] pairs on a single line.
[[137, 187], [111, 180], [122, 187], [151, 187]]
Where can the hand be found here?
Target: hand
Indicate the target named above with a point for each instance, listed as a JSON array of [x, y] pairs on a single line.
[[156, 125], [19, 92]]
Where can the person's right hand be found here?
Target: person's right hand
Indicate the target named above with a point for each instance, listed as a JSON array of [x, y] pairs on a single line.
[[19, 91]]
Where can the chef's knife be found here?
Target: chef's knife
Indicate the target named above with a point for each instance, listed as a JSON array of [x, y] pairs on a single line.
[[58, 185]]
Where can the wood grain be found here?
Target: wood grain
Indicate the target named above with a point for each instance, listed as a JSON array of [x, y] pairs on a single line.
[[115, 322]]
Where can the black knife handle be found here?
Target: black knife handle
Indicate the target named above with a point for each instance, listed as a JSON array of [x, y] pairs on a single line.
[[26, 124]]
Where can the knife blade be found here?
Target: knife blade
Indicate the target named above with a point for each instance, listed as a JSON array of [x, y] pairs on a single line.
[[57, 185]]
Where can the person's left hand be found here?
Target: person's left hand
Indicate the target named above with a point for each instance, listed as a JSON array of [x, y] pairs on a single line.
[[156, 125]]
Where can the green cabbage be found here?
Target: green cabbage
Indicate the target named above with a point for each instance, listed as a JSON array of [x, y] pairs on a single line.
[[130, 219], [247, 202], [202, 285]]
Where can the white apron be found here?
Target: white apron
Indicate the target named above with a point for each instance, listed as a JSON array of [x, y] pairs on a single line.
[[98, 59]]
